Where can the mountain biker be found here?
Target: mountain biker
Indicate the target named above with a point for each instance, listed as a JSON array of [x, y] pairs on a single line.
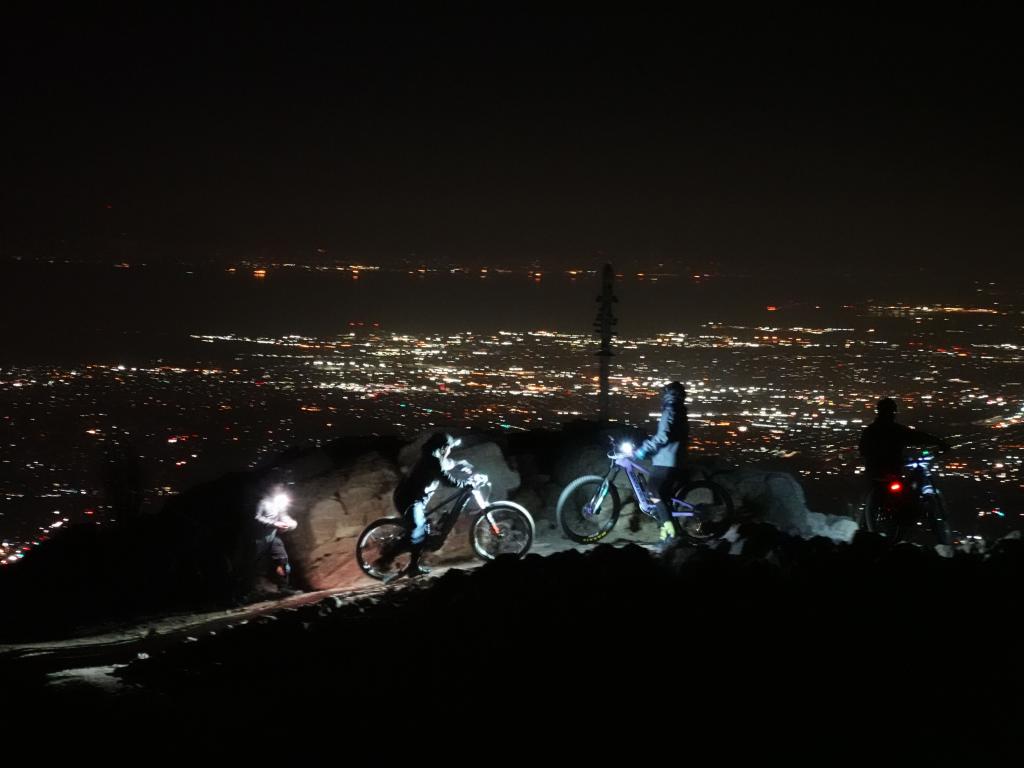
[[669, 448], [433, 469], [882, 445], [272, 519]]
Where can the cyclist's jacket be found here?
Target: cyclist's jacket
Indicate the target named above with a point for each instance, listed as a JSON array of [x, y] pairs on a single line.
[[882, 443], [429, 474], [268, 517], [669, 443]]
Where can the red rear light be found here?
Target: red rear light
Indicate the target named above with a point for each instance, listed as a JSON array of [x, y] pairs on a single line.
[[895, 486]]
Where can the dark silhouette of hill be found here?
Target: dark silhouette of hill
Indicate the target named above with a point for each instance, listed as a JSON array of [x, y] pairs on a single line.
[[788, 648]]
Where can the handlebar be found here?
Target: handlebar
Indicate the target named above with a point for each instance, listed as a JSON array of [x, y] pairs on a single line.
[[926, 452]]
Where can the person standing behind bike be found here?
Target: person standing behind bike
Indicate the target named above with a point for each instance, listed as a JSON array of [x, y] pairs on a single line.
[[669, 448], [882, 446], [883, 442], [433, 469]]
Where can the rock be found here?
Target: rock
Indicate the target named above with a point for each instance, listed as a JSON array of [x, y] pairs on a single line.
[[779, 499], [332, 510], [487, 457], [483, 453], [589, 459]]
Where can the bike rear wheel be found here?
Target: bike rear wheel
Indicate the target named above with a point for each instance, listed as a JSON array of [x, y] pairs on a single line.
[[503, 528], [881, 517], [713, 511], [383, 548], [588, 509]]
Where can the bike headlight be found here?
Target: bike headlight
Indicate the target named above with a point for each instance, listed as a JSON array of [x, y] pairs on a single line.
[[626, 448]]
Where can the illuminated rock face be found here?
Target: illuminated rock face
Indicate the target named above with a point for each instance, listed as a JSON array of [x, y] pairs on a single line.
[[198, 550], [333, 508], [485, 456], [332, 511]]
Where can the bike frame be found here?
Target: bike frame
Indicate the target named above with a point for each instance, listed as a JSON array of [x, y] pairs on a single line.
[[920, 471], [638, 475], [447, 518]]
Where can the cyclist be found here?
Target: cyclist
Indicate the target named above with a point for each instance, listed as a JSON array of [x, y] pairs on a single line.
[[434, 468], [883, 441], [882, 445], [669, 448]]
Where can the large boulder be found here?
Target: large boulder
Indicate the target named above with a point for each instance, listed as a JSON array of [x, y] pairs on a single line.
[[777, 498], [484, 454], [332, 510]]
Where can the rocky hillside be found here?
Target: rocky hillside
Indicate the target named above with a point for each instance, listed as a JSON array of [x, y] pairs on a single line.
[[196, 553]]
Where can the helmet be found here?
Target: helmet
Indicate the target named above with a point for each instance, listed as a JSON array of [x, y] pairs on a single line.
[[673, 389], [438, 443], [886, 407]]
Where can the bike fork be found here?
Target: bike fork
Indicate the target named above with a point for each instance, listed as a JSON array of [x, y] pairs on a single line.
[[598, 500], [595, 503]]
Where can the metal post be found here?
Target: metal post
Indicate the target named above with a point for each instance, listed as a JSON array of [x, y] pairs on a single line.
[[604, 324]]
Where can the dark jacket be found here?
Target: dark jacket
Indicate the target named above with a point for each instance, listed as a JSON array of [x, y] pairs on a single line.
[[669, 443], [882, 444], [427, 476]]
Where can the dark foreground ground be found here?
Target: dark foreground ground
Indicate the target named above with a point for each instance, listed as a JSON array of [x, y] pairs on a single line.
[[787, 649]]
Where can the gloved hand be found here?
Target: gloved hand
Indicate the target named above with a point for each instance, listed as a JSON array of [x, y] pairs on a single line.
[[639, 454]]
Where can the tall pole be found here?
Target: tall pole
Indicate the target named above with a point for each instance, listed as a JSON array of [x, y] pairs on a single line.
[[604, 324]]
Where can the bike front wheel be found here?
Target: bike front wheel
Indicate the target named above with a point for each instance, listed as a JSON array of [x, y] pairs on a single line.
[[383, 548], [937, 518], [503, 528], [588, 509], [712, 511]]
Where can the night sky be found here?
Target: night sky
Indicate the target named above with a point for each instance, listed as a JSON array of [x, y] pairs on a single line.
[[798, 137]]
